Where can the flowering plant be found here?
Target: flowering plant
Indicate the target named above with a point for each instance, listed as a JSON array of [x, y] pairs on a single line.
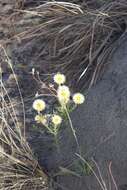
[[66, 103]]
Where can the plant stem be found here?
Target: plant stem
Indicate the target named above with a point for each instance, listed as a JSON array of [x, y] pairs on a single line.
[[57, 143], [73, 130], [50, 130]]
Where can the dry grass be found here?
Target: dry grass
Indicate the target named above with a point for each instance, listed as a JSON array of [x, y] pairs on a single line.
[[78, 41], [19, 170]]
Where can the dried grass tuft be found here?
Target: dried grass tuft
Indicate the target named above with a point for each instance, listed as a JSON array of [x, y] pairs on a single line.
[[77, 41], [19, 170]]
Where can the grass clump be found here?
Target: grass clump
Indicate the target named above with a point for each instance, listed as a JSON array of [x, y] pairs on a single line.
[[18, 167], [80, 54]]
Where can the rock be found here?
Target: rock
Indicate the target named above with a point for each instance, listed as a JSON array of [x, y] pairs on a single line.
[[101, 127], [101, 123]]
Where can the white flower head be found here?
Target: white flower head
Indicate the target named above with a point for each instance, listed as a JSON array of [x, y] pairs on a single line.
[[59, 78], [63, 94], [78, 98], [41, 119], [39, 105], [56, 120]]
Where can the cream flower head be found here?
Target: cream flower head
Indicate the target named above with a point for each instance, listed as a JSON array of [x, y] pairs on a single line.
[[56, 120], [78, 98], [39, 105], [59, 78], [41, 119], [63, 94]]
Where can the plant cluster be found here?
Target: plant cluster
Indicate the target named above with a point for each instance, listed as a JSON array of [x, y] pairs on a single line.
[[66, 103]]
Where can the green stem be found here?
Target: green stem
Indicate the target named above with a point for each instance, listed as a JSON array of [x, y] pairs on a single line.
[[73, 130], [50, 130], [56, 142]]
